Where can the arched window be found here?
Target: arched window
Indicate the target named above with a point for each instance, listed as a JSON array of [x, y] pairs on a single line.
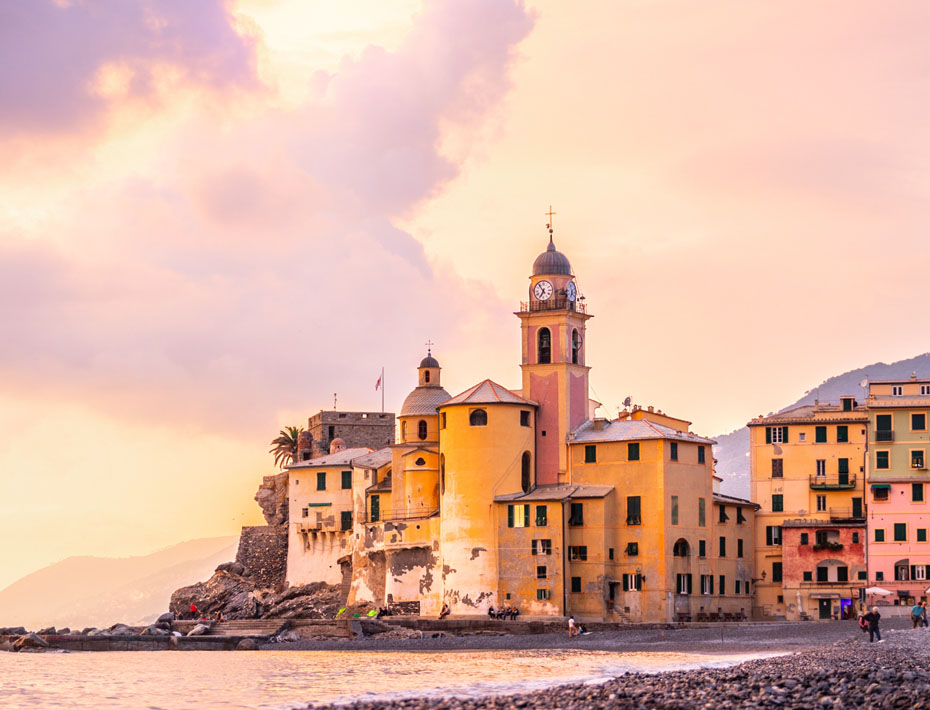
[[442, 473], [403, 431], [682, 548], [426, 376], [478, 417], [421, 429], [576, 348], [526, 478], [545, 346]]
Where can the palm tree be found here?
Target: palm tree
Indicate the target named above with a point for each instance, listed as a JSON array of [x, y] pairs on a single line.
[[284, 446]]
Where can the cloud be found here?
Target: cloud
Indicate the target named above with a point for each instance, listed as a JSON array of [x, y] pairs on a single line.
[[64, 62]]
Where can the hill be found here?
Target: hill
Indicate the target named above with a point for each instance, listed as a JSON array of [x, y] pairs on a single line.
[[732, 450], [97, 591]]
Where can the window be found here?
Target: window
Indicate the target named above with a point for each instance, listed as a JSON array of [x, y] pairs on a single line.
[[808, 576], [778, 503], [426, 376], [305, 512], [577, 514], [576, 348], [707, 584], [346, 519], [375, 509], [776, 435], [881, 459], [723, 584], [632, 451], [700, 450], [442, 473], [478, 417], [805, 539], [403, 431], [681, 548], [880, 494], [848, 404], [578, 553], [842, 467], [821, 467], [739, 547], [632, 549], [702, 513], [862, 576], [702, 548], [420, 461], [544, 352], [542, 594], [541, 547], [723, 514], [778, 468], [590, 453], [917, 458], [855, 538], [673, 450], [879, 576], [842, 574], [633, 511], [346, 479], [776, 571], [901, 572], [576, 585], [842, 434], [740, 518], [524, 418], [421, 429], [723, 546], [542, 516], [917, 492], [820, 435], [821, 503], [772, 535], [610, 553], [632, 583], [518, 516], [683, 584], [900, 532], [526, 472], [921, 534], [879, 535], [540, 571], [736, 586], [321, 480], [821, 538], [674, 510], [920, 572], [925, 389], [802, 436], [823, 574], [897, 390], [919, 421], [442, 420]]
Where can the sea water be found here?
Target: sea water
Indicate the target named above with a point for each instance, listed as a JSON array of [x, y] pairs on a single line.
[[176, 680]]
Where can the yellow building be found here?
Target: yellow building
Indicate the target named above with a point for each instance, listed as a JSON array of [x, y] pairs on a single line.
[[807, 470], [522, 497]]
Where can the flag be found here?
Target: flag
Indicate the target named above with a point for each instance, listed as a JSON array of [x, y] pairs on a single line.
[[378, 383]]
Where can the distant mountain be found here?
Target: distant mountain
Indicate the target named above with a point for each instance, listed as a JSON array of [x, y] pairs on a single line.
[[98, 591], [732, 450]]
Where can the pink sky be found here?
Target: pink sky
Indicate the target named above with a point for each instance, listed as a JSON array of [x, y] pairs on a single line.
[[218, 214]]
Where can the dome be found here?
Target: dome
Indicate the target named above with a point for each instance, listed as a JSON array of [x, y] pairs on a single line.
[[336, 444], [429, 361], [423, 400], [551, 262]]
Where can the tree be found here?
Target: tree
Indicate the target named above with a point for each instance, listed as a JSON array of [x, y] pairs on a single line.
[[284, 446]]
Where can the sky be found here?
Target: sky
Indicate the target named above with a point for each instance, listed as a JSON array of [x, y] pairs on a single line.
[[216, 215]]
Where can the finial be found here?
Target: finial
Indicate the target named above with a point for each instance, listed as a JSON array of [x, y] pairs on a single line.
[[429, 347], [549, 214]]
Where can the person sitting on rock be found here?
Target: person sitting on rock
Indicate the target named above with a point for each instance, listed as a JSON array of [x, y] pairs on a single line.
[[491, 612], [193, 610], [513, 613], [445, 611]]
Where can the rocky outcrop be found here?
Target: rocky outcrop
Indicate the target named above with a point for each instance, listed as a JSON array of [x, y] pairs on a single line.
[[29, 641], [272, 498]]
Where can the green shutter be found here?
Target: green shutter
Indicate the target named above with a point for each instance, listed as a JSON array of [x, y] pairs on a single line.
[[768, 435], [526, 516], [533, 548], [784, 434], [626, 583], [509, 516]]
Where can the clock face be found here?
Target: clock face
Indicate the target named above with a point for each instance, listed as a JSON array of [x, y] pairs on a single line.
[[570, 291], [543, 291]]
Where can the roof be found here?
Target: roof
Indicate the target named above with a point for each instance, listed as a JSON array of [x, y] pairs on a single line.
[[375, 459], [813, 413], [632, 430], [381, 486], [733, 500], [807, 523], [339, 458], [888, 401], [429, 361], [488, 392], [551, 262], [561, 491], [424, 400]]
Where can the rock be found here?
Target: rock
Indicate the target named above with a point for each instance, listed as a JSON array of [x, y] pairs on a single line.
[[6, 645], [29, 641], [286, 636], [120, 630], [198, 630], [163, 625], [48, 631], [13, 631], [167, 617], [64, 632], [88, 631], [272, 498], [154, 630], [247, 644], [233, 568]]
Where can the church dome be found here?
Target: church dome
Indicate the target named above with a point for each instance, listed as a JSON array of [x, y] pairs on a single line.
[[551, 262], [337, 444], [429, 361], [424, 400]]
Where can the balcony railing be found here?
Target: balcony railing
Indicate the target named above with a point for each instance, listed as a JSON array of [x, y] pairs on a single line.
[[838, 514], [392, 515], [556, 303], [884, 435], [842, 482]]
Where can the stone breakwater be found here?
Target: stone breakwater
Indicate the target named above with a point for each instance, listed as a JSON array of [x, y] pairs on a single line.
[[848, 674]]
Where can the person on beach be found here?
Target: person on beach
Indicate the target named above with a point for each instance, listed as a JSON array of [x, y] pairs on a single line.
[[193, 610], [916, 615], [923, 614], [445, 611], [491, 612], [872, 618], [572, 629]]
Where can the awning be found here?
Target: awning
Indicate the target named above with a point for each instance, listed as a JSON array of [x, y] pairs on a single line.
[[880, 486], [903, 593]]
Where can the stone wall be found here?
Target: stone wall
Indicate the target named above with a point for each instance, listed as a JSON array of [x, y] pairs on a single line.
[[372, 429], [263, 549]]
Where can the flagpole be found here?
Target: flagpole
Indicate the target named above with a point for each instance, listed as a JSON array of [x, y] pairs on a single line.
[[382, 389]]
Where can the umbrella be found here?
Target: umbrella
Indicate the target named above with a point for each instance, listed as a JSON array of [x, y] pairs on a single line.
[[877, 590]]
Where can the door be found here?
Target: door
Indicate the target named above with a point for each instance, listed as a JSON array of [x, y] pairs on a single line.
[[824, 608], [857, 507], [375, 509]]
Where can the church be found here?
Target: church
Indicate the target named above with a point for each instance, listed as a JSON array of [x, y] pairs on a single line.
[[523, 497]]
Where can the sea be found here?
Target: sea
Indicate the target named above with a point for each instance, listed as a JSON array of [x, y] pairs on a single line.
[[175, 680]]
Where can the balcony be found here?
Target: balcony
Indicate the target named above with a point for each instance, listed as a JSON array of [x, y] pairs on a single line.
[[392, 515], [841, 514], [831, 546], [884, 435], [556, 303], [842, 482]]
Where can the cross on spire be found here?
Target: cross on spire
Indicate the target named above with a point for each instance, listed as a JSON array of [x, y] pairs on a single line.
[[549, 214], [429, 347]]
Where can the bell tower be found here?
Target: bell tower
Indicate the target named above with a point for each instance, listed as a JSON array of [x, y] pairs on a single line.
[[554, 371]]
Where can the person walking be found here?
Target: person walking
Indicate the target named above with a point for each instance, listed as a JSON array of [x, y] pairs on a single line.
[[916, 614], [872, 618], [572, 629]]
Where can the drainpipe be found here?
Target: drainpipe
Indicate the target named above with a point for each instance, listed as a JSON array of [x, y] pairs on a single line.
[[564, 558], [865, 511]]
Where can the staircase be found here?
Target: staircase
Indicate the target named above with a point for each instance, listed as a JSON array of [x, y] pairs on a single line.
[[249, 627]]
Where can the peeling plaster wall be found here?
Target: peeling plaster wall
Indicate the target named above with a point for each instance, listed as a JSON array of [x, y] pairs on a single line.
[[314, 557], [517, 567]]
